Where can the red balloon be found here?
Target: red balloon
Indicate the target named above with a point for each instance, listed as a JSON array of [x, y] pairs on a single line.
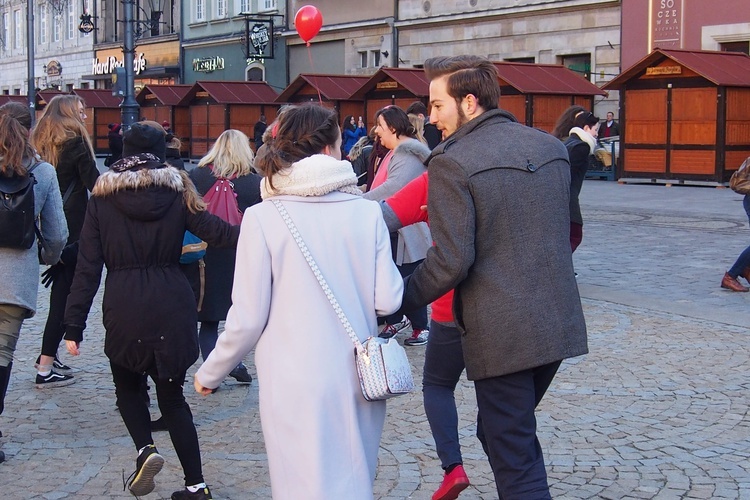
[[308, 21]]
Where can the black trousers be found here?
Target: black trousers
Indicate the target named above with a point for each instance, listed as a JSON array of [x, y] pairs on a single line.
[[133, 405], [506, 426], [58, 297]]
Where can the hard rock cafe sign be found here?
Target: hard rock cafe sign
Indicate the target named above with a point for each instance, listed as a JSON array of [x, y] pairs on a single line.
[[108, 65]]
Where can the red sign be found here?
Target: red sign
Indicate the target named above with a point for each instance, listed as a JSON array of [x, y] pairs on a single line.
[[666, 24]]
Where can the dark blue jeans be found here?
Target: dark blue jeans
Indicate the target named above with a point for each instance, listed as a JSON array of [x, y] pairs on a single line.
[[506, 426], [208, 334], [418, 317], [443, 365], [743, 261]]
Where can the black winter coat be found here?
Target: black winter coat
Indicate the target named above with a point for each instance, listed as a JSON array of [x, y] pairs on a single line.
[[220, 262], [76, 164], [578, 152], [149, 308], [115, 146]]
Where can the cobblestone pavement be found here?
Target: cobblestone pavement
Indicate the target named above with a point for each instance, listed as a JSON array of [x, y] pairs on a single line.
[[656, 410]]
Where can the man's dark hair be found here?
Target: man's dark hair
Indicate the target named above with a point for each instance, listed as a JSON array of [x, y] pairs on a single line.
[[467, 74], [417, 108]]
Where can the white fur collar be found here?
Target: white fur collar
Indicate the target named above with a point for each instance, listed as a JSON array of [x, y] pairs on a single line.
[[585, 137], [315, 175]]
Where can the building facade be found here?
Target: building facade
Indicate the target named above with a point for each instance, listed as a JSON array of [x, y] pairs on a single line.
[[156, 27], [62, 52], [234, 40], [682, 24]]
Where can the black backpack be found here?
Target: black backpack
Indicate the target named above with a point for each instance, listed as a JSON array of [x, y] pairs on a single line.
[[17, 220]]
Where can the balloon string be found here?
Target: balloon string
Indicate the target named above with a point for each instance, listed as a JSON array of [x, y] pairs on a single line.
[[312, 68]]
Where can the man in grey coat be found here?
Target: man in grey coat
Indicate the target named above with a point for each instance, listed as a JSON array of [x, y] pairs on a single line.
[[498, 208]]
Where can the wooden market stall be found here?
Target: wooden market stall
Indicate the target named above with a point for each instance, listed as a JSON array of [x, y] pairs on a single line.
[[217, 106], [537, 94], [102, 108], [160, 103], [684, 116], [335, 91], [392, 87]]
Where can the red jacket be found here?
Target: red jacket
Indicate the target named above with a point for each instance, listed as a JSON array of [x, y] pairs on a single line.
[[407, 204]]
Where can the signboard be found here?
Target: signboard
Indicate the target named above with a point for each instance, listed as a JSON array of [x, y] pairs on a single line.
[[258, 43], [664, 70], [666, 24], [53, 68], [388, 84], [259, 37], [208, 64], [108, 65], [150, 55]]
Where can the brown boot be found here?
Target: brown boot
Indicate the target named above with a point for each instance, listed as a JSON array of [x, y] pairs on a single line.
[[732, 284]]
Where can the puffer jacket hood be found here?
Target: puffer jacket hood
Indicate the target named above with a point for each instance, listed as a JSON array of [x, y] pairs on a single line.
[[145, 194]]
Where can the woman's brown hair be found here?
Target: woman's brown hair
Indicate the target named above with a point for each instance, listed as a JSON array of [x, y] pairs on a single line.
[[15, 120], [59, 123], [301, 131], [397, 120]]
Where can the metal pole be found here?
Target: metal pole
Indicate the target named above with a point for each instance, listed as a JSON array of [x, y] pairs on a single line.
[[31, 90], [129, 106]]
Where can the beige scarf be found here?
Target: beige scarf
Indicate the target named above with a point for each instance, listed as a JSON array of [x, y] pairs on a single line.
[[585, 137], [315, 175]]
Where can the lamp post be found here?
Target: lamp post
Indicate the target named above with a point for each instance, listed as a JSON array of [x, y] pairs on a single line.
[[129, 106], [31, 89]]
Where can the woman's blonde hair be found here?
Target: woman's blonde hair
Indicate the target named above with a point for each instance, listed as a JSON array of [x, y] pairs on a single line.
[[418, 125], [59, 123], [230, 155]]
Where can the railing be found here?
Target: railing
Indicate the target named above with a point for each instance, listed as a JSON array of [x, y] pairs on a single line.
[[603, 162]]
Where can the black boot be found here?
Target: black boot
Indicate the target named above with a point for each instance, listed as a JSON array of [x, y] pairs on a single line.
[[4, 381]]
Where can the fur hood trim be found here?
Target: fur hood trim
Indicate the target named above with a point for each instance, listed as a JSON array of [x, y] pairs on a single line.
[[111, 182], [413, 147]]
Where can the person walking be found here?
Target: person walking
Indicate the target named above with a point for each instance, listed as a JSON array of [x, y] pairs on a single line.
[[495, 250], [60, 137], [20, 266], [258, 130], [321, 435], [580, 144], [741, 266], [229, 158], [443, 359], [135, 222], [114, 139], [403, 163]]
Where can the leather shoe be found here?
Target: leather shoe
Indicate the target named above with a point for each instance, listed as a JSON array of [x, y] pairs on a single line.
[[454, 483], [732, 284]]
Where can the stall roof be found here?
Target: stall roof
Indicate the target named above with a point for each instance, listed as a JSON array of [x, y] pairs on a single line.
[[233, 92], [98, 98], [530, 78], [44, 96], [332, 87], [168, 95], [413, 79], [13, 98], [731, 69]]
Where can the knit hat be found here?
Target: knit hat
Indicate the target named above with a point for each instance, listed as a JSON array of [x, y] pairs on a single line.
[[114, 127], [144, 138]]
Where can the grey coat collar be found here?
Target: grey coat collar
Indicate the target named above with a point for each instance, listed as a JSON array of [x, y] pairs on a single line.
[[470, 126]]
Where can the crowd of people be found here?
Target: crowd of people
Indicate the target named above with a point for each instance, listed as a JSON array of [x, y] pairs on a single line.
[[424, 208]]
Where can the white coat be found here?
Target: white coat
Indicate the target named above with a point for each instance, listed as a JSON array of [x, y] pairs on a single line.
[[321, 436]]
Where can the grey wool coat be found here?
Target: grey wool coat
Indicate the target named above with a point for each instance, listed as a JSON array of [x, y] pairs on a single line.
[[498, 205], [20, 268]]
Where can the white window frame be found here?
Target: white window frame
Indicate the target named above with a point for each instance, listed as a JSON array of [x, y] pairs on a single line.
[[18, 29], [43, 28], [56, 27], [71, 21], [6, 31], [266, 5], [221, 9], [245, 6], [200, 11]]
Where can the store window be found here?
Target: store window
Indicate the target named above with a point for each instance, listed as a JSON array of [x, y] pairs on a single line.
[[743, 47]]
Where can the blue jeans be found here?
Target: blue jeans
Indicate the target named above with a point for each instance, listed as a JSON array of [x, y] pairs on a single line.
[[743, 261], [443, 365]]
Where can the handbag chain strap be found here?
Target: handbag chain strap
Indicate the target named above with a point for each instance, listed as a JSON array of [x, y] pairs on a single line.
[[319, 276]]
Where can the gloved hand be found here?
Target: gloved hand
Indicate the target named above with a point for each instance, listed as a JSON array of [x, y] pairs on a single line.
[[50, 275], [70, 254]]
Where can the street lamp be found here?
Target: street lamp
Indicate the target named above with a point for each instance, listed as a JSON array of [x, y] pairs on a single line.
[[129, 106]]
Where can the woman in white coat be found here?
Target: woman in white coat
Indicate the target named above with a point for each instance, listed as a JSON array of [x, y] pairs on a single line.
[[321, 435]]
